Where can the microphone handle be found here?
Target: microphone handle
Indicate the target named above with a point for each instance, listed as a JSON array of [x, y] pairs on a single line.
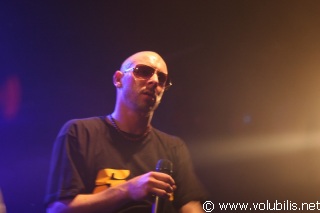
[[164, 166], [157, 207]]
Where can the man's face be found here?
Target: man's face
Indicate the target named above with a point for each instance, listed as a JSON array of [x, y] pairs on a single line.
[[139, 93]]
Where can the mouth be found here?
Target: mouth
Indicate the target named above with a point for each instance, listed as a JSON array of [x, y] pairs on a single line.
[[149, 94]]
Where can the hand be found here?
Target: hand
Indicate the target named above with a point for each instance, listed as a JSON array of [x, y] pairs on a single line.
[[149, 184]]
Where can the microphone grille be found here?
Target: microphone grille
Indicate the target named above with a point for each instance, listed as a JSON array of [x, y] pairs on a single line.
[[164, 166]]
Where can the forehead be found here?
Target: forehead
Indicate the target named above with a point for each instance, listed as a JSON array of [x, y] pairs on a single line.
[[148, 58]]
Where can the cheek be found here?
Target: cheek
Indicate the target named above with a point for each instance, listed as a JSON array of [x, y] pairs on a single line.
[[130, 89], [129, 83], [133, 83]]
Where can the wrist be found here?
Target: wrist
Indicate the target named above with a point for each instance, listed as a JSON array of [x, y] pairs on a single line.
[[122, 192]]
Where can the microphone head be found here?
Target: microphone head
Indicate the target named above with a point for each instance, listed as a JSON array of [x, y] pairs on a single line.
[[164, 166]]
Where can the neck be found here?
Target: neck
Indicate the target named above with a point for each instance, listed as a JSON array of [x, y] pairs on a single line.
[[132, 122]]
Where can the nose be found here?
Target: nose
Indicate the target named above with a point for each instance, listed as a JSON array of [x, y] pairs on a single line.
[[154, 79]]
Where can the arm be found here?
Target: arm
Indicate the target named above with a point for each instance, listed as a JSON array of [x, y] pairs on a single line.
[[192, 207], [138, 188], [108, 199]]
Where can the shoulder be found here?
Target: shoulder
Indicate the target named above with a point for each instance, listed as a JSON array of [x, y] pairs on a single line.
[[162, 134], [168, 138], [75, 126]]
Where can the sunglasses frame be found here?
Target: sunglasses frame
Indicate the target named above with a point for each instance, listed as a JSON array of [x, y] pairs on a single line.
[[167, 84]]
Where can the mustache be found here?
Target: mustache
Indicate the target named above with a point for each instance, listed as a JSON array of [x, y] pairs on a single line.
[[147, 91]]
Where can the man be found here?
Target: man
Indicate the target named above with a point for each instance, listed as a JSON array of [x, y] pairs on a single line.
[[106, 164]]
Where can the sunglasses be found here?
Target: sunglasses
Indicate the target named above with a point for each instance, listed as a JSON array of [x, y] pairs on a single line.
[[146, 72]]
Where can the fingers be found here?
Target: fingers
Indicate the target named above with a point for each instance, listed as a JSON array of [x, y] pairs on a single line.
[[151, 184], [161, 184], [161, 189], [162, 177]]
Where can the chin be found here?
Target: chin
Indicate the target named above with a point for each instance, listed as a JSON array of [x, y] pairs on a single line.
[[155, 105], [149, 108]]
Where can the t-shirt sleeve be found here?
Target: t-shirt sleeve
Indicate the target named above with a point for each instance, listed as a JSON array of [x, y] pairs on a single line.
[[189, 187], [66, 179]]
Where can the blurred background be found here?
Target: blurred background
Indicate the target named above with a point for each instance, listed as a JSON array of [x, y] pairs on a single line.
[[245, 96]]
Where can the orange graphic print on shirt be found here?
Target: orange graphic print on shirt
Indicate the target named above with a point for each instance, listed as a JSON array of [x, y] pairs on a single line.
[[110, 177]]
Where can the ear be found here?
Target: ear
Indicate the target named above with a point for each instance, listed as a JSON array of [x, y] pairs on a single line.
[[117, 76]]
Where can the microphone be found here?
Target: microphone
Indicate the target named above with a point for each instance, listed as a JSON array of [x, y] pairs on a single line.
[[164, 166]]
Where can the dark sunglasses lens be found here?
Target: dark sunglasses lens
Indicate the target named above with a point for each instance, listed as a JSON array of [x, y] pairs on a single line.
[[162, 78], [143, 71], [146, 72]]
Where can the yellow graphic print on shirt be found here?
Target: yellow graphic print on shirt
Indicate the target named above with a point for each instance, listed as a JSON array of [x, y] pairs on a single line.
[[110, 177]]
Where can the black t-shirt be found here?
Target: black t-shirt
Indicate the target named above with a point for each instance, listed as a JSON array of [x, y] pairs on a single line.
[[89, 155]]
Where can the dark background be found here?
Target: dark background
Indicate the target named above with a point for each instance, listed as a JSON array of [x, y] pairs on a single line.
[[245, 96]]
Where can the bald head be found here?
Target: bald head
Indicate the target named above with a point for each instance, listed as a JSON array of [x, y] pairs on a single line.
[[140, 94], [150, 58]]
